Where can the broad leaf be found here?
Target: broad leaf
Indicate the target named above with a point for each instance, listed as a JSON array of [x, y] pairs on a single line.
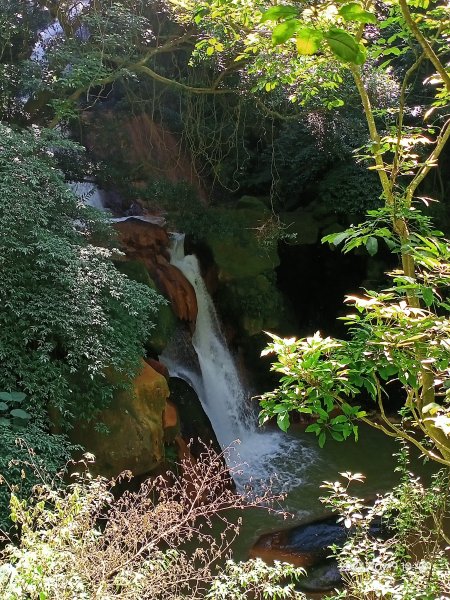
[[283, 421], [345, 47], [274, 13], [372, 246], [284, 31], [17, 397], [308, 40], [428, 296], [355, 12], [3, 406], [20, 414]]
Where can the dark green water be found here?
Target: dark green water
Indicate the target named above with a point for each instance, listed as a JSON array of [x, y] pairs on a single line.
[[372, 455]]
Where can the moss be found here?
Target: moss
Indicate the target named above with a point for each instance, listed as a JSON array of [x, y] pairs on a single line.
[[239, 251], [253, 304]]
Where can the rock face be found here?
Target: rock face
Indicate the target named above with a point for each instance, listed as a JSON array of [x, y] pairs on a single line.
[[142, 144], [135, 441], [148, 243], [195, 424]]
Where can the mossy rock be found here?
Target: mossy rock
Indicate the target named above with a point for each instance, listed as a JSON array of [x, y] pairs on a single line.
[[304, 224], [166, 320], [254, 304], [238, 251], [134, 439]]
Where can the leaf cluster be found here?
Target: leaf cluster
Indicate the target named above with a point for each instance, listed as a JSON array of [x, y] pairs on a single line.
[[68, 315]]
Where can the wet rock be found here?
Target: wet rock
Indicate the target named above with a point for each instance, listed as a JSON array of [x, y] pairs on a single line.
[[148, 244], [308, 546], [159, 367], [195, 424]]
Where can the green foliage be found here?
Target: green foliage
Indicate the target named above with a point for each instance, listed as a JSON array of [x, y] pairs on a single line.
[[255, 579], [389, 341], [407, 562], [67, 314], [10, 414], [30, 455], [349, 189]]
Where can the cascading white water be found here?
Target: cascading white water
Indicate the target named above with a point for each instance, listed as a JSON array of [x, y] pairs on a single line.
[[208, 366], [220, 389]]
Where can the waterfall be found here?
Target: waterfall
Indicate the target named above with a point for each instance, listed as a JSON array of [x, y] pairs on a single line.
[[216, 379], [205, 362], [92, 195]]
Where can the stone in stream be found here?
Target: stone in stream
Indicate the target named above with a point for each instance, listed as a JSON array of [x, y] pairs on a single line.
[[308, 546]]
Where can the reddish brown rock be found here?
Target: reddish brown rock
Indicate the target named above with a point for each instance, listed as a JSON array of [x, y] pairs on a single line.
[[170, 415], [174, 285], [145, 146], [148, 243], [143, 241], [158, 366]]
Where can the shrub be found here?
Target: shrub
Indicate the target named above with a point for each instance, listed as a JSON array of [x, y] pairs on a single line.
[[67, 313], [412, 562], [84, 542]]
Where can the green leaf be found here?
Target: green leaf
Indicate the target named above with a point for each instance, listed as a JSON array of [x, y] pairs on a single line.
[[322, 439], [283, 421], [372, 246], [20, 414], [336, 238], [3, 406], [17, 397], [281, 11], [428, 296], [345, 47], [4, 421], [312, 428], [353, 11], [284, 31], [6, 396], [308, 40]]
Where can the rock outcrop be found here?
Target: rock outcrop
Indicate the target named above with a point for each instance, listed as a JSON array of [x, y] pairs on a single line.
[[135, 438], [149, 244]]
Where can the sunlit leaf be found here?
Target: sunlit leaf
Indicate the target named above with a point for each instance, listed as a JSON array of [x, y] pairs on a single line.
[[281, 11], [345, 47], [284, 31], [353, 11], [308, 40]]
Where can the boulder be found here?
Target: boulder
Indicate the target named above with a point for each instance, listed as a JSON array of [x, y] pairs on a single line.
[[308, 546], [134, 440]]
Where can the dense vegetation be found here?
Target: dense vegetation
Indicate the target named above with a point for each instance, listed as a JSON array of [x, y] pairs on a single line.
[[271, 99]]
